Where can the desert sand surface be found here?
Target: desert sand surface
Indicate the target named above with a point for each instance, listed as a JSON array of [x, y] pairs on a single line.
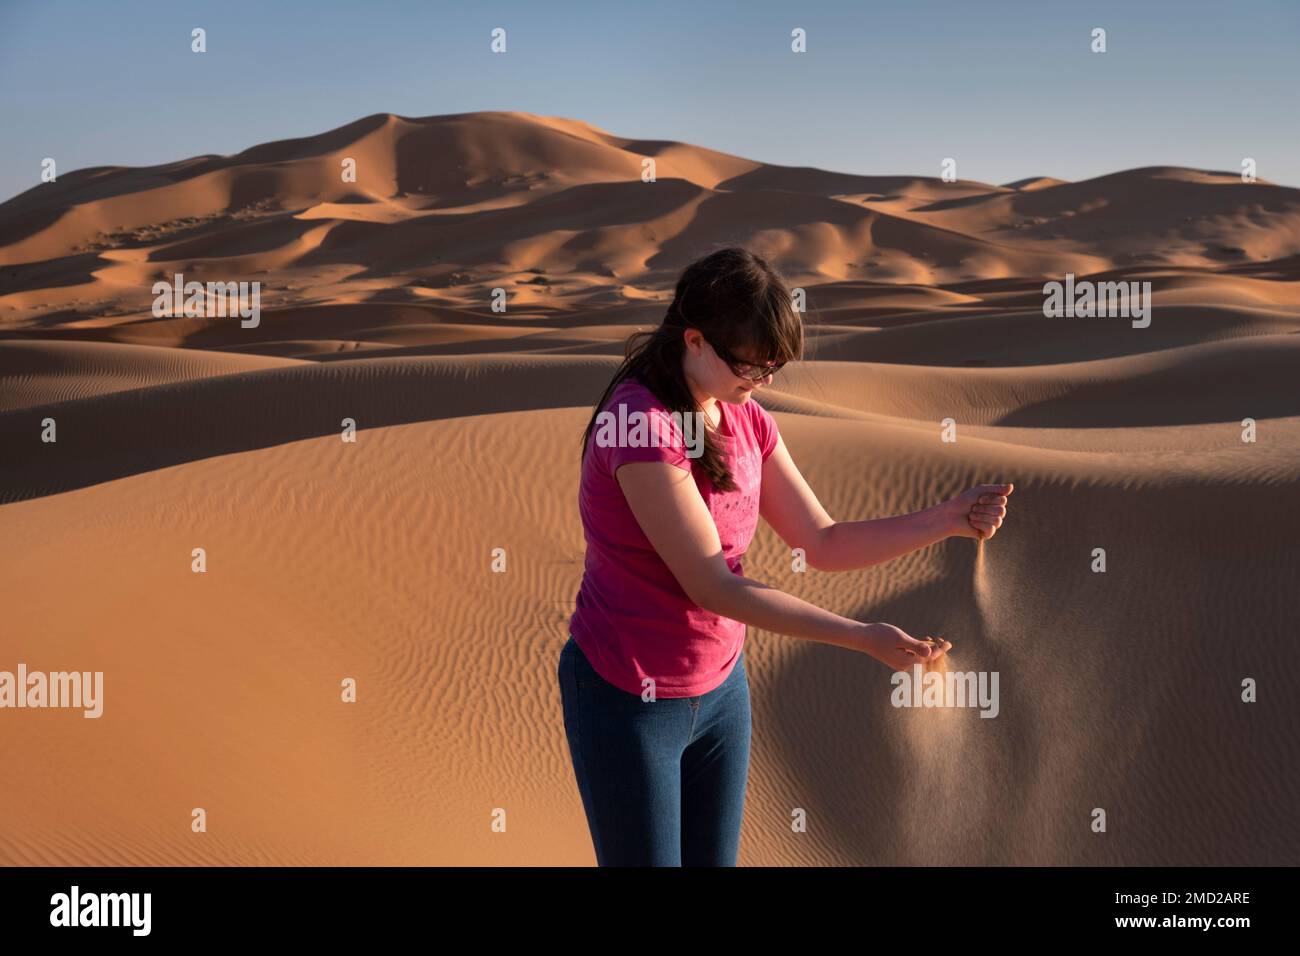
[[372, 560]]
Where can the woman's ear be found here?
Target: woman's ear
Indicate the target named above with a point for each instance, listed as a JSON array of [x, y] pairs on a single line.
[[694, 340]]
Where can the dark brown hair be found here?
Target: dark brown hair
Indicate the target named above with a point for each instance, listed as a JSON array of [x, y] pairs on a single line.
[[736, 300]]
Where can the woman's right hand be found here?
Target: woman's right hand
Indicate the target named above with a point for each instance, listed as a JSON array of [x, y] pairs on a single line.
[[896, 649]]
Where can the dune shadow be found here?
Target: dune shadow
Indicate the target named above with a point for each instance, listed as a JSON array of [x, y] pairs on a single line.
[[129, 432], [848, 746]]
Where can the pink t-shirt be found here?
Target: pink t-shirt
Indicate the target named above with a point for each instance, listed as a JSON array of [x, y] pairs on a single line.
[[632, 619]]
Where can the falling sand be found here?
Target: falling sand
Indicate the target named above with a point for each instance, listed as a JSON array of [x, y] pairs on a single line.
[[983, 591], [940, 665], [983, 600]]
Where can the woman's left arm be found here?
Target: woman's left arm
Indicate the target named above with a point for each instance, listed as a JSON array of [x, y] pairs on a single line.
[[793, 511]]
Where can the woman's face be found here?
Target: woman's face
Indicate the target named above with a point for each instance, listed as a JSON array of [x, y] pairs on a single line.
[[710, 377]]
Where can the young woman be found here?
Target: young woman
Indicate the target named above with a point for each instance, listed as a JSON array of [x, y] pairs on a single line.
[[652, 677]]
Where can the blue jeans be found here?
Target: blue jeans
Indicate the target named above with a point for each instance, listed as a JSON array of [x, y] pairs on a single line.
[[663, 781]]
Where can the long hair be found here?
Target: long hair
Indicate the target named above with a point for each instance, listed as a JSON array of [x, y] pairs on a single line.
[[736, 300]]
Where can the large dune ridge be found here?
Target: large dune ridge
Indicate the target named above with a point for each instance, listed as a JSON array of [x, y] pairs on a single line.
[[372, 559]]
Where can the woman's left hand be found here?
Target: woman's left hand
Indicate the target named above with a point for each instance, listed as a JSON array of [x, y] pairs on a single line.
[[978, 513]]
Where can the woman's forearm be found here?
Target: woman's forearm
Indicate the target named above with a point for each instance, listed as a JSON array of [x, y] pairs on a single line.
[[847, 545], [759, 605]]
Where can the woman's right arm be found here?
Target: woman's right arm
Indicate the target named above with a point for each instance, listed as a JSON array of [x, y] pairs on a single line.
[[668, 507]]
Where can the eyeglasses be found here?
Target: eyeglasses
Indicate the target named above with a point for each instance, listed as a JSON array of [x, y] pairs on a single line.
[[745, 370]]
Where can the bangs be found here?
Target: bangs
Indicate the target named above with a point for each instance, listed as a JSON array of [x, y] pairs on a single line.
[[776, 333]]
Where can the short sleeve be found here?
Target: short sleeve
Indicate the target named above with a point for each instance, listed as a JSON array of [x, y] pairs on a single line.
[[635, 426], [765, 429]]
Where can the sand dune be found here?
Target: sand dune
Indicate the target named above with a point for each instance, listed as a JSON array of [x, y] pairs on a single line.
[[35, 373], [372, 560]]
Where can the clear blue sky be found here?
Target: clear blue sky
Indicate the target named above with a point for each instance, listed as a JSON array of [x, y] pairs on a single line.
[[1010, 89]]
